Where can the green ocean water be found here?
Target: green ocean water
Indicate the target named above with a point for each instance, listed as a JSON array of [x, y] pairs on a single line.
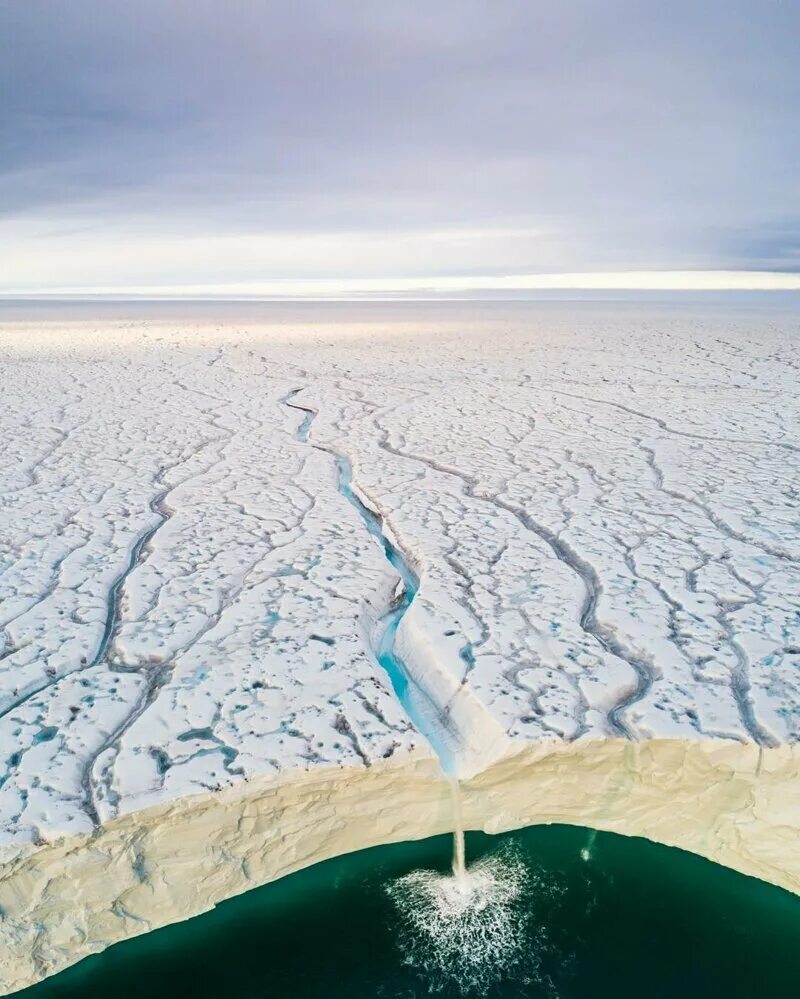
[[634, 919]]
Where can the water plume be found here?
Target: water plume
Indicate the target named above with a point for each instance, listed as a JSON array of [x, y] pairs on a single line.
[[466, 929]]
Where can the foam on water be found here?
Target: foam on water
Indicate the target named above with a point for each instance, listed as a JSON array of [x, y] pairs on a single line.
[[467, 929], [586, 852]]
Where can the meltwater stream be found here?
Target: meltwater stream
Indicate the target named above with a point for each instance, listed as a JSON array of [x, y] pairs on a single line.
[[426, 716], [464, 929]]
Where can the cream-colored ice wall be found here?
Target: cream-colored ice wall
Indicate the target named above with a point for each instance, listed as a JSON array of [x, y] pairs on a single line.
[[66, 900]]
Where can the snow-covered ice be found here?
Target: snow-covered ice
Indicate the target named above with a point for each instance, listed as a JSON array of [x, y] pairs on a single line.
[[601, 506]]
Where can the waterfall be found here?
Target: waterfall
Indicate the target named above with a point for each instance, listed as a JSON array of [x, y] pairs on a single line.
[[423, 713], [459, 863], [466, 927]]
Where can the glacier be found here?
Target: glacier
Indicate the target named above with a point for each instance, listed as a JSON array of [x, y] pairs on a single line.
[[211, 535]]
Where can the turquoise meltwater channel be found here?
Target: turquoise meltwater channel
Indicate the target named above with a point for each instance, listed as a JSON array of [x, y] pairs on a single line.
[[425, 715]]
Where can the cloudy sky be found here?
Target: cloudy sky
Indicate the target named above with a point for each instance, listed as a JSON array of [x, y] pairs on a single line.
[[245, 144]]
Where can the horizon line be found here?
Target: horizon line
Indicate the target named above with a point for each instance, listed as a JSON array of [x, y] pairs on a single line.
[[322, 289]]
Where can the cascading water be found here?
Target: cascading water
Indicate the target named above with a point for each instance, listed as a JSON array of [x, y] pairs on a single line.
[[459, 852], [464, 928]]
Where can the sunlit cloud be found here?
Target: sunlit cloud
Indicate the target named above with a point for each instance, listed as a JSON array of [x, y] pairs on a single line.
[[455, 145]]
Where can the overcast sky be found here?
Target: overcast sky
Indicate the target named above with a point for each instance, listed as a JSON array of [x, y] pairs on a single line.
[[153, 143]]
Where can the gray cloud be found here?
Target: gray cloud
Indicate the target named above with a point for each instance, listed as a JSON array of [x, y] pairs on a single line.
[[630, 134]]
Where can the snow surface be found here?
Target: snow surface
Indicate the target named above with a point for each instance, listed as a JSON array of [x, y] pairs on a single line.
[[601, 507]]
